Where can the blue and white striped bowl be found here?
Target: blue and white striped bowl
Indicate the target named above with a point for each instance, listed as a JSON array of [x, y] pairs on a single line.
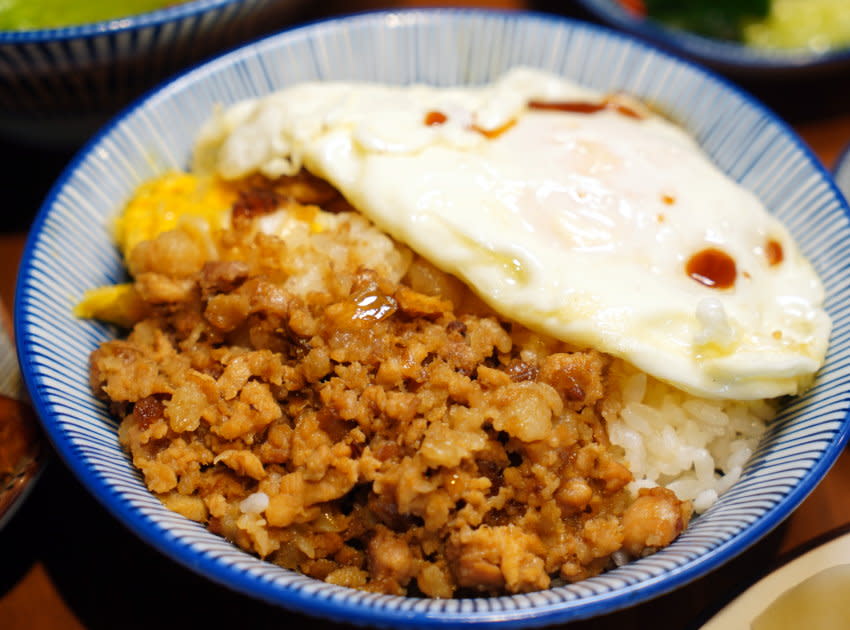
[[58, 85], [70, 250], [841, 171]]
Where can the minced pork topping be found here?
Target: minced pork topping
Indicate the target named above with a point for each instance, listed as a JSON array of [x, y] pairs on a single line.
[[338, 406]]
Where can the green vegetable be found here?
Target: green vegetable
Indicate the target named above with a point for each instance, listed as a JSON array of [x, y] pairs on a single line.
[[721, 19], [19, 15], [812, 25]]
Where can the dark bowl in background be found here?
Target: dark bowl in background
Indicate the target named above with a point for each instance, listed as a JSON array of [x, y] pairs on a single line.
[[798, 85], [59, 86]]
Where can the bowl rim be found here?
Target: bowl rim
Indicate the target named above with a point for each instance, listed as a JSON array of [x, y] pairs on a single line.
[[842, 163], [156, 17], [321, 604], [726, 54]]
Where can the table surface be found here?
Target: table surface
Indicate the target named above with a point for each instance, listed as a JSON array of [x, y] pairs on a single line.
[[65, 563]]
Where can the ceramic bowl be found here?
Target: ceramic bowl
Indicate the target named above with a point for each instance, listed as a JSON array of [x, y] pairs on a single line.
[[841, 171], [70, 250], [808, 585], [21, 442], [58, 85], [799, 85], [726, 56]]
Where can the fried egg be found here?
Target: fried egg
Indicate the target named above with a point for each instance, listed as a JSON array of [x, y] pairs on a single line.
[[582, 216]]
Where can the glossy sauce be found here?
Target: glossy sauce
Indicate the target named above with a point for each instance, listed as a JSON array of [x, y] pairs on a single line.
[[774, 253], [712, 267], [434, 118], [584, 107], [373, 305], [494, 133]]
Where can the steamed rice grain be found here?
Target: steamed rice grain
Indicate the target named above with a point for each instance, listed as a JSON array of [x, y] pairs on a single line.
[[693, 446]]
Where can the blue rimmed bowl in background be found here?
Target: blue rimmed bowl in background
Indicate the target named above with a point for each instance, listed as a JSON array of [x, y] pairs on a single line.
[[58, 85], [70, 250], [799, 84], [723, 55]]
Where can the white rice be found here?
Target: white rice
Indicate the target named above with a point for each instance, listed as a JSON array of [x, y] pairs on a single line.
[[694, 446], [254, 503]]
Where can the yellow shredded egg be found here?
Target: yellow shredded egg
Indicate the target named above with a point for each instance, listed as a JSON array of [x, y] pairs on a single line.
[[162, 203]]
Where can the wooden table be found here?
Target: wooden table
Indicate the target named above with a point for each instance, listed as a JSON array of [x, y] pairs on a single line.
[[65, 563]]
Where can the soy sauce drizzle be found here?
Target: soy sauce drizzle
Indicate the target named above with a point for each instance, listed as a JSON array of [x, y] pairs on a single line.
[[774, 253], [585, 107], [713, 268], [434, 118]]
